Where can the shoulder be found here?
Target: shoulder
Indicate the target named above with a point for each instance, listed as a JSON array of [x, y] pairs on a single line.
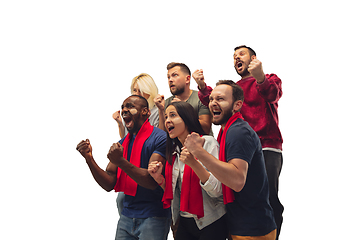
[[154, 111], [241, 134], [154, 117], [241, 141], [157, 132], [157, 137], [195, 101], [194, 96], [210, 141], [157, 141], [238, 126], [168, 101]]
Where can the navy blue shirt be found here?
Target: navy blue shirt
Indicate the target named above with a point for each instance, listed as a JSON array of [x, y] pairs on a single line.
[[250, 214], [147, 203]]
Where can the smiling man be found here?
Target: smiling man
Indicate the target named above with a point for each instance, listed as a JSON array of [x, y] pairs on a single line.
[[142, 216], [241, 168]]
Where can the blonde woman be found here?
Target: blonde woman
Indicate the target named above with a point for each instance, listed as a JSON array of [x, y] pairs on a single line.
[[145, 86]]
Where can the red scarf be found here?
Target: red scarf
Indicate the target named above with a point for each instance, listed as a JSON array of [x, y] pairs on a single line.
[[228, 193], [190, 187], [124, 183]]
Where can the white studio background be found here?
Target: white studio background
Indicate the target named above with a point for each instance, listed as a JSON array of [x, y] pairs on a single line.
[[66, 66]]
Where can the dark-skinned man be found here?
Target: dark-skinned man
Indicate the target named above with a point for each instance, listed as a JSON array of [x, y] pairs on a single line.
[[143, 216]]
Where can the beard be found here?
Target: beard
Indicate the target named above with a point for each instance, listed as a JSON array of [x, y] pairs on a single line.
[[245, 72], [178, 91], [135, 127], [227, 115]]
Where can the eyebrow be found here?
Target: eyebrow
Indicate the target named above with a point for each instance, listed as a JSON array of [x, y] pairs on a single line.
[[171, 112], [217, 96], [241, 51], [127, 105]]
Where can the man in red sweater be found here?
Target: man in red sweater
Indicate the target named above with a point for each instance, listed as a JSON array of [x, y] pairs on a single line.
[[261, 95]]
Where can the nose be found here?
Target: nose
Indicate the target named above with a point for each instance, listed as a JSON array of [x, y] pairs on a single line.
[[212, 103], [167, 120], [123, 110]]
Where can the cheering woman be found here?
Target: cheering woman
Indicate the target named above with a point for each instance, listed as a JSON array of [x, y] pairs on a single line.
[[192, 192]]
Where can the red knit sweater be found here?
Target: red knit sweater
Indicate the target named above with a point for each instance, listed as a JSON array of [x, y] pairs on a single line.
[[259, 108]]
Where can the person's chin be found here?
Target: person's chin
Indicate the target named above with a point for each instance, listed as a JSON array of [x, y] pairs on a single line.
[[217, 121]]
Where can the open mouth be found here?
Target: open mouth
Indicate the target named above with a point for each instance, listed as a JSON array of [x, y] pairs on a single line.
[[170, 128], [239, 64], [127, 120], [216, 112]]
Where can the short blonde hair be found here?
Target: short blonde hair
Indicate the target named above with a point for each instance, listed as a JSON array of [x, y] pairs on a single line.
[[146, 85]]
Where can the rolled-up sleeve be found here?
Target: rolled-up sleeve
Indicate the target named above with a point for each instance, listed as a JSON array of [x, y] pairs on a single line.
[[212, 186]]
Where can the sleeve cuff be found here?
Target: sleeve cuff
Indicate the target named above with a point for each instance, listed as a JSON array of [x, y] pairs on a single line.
[[210, 184], [205, 91]]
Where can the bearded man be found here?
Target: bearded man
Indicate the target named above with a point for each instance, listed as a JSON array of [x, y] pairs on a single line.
[[260, 109]]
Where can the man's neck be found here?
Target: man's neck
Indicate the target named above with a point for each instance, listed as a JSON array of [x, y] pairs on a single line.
[[140, 124], [185, 95], [246, 76]]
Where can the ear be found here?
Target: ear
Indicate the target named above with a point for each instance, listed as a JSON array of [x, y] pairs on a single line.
[[237, 105], [253, 57], [187, 80], [145, 112]]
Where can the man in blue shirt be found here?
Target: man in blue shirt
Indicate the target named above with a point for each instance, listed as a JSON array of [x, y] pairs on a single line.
[[241, 168], [143, 216]]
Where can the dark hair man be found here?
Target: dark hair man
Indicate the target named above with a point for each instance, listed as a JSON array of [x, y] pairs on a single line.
[[179, 77], [241, 168], [143, 216], [261, 95]]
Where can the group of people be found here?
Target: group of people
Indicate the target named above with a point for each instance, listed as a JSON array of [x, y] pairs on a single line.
[[171, 172]]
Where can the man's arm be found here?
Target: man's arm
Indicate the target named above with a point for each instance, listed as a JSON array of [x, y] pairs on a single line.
[[268, 86], [117, 118], [160, 103], [232, 173], [205, 122], [140, 175], [204, 90], [270, 89], [106, 179]]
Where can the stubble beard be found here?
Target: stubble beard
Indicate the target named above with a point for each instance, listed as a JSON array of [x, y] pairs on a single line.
[[227, 115], [178, 91], [245, 72]]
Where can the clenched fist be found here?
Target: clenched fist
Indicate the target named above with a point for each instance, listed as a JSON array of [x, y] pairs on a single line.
[[256, 70], [159, 101], [198, 76], [115, 154], [84, 147], [193, 142], [155, 169]]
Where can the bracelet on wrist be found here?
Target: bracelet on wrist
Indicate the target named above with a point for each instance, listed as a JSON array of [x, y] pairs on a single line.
[[162, 181]]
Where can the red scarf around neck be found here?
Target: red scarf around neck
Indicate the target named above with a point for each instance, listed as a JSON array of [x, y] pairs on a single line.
[[124, 183], [228, 193], [191, 199]]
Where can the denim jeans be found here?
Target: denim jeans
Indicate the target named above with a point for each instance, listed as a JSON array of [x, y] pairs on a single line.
[[154, 228]]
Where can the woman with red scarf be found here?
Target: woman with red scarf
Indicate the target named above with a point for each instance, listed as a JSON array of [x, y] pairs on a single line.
[[192, 192]]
